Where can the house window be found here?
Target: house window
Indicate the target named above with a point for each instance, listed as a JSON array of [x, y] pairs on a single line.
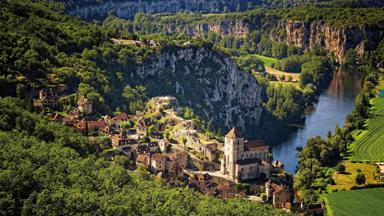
[[251, 167]]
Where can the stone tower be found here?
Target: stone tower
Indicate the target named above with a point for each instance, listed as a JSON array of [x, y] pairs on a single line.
[[234, 143]]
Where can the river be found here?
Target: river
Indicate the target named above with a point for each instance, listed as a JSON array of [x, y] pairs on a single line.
[[334, 104]]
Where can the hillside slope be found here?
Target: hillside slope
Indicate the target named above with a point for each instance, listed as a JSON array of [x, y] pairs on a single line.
[[44, 49]]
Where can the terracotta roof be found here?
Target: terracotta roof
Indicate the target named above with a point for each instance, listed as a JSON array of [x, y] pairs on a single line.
[[158, 158], [277, 188], [121, 117], [141, 158], [175, 156], [175, 168], [233, 133], [255, 144]]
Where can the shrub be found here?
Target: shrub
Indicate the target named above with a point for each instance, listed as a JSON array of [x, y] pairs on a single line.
[[360, 179], [340, 168]]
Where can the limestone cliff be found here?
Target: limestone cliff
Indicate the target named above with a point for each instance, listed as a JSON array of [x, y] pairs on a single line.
[[336, 39], [208, 81], [233, 27]]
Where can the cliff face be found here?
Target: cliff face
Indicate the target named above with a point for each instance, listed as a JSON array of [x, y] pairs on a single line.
[[207, 81], [334, 39], [128, 9], [237, 28]]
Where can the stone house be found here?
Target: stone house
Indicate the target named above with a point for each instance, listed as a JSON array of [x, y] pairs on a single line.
[[163, 145], [209, 151], [180, 157], [124, 145], [201, 182], [153, 147], [142, 160], [126, 150], [143, 125], [118, 140], [157, 163], [280, 195], [175, 174], [117, 120], [142, 148]]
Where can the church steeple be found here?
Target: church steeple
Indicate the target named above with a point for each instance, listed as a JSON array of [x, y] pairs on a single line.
[[233, 134]]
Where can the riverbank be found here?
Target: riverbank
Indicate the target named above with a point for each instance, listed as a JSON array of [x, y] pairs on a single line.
[[333, 106]]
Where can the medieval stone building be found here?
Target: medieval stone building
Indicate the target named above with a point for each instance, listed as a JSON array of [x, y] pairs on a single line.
[[245, 159]]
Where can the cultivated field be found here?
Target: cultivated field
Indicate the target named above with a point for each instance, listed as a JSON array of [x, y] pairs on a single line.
[[367, 202], [370, 143]]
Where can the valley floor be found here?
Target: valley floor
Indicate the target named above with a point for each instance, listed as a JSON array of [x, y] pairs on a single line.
[[356, 203]]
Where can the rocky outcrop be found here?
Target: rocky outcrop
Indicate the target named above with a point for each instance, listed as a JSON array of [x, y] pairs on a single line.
[[208, 81], [336, 39], [236, 28], [128, 9]]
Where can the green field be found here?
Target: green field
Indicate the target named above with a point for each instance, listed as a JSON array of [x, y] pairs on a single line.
[[268, 61], [366, 202], [346, 180], [369, 144]]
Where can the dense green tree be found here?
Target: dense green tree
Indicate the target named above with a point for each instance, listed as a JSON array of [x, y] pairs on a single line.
[[340, 168], [360, 178]]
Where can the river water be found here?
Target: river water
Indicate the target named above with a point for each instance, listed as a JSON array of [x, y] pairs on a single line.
[[334, 104]]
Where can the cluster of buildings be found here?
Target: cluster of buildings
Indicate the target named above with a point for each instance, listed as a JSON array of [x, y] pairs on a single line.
[[125, 139], [168, 166], [240, 160]]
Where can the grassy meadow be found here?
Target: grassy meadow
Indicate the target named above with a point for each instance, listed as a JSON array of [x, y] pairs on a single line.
[[344, 181], [369, 144], [268, 61], [367, 202]]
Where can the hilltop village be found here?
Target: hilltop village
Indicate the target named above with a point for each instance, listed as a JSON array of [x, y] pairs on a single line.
[[176, 151]]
